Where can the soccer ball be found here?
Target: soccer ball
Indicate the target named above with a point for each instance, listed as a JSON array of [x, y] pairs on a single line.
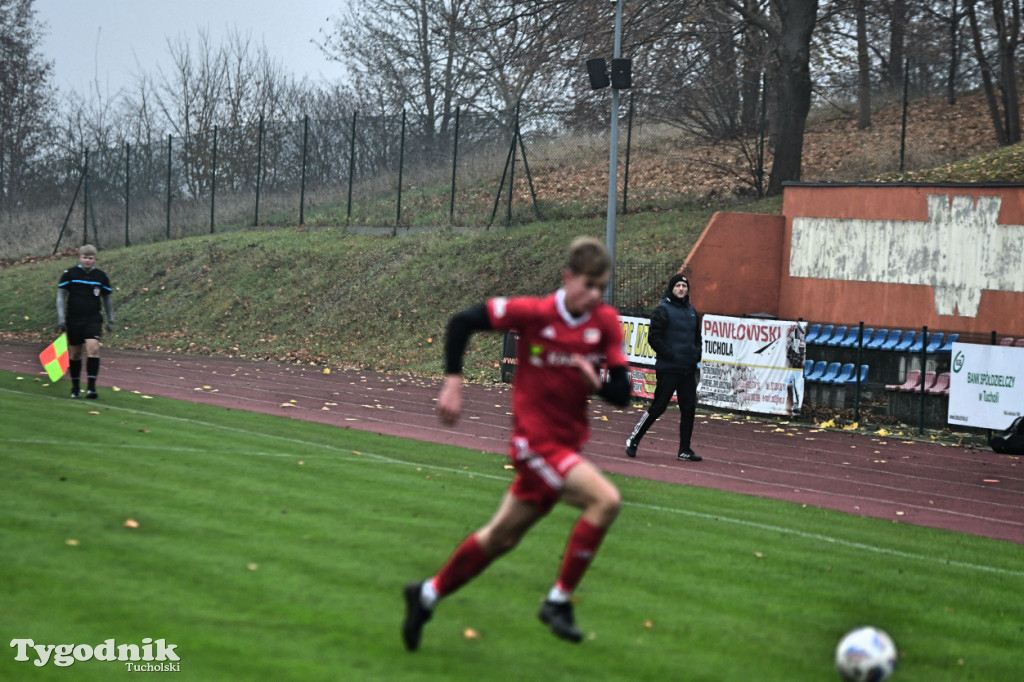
[[866, 654]]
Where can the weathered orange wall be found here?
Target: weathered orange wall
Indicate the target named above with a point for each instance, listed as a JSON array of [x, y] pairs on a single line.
[[735, 268], [740, 264]]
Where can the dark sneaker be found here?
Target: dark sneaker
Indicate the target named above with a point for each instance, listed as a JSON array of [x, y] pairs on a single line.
[[688, 455], [559, 617], [75, 393], [91, 395], [630, 447], [416, 616]]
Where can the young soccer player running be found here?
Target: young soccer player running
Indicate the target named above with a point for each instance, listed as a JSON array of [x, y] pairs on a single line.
[[563, 338]]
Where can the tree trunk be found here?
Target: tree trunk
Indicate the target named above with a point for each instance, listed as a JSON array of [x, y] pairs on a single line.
[[897, 40], [954, 52], [793, 89], [1007, 31], [863, 67], [752, 64], [986, 76]]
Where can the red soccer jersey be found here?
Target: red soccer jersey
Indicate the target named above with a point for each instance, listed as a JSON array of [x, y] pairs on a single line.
[[549, 395]]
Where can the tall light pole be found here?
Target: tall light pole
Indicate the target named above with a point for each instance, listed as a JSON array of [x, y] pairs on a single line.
[[613, 159]]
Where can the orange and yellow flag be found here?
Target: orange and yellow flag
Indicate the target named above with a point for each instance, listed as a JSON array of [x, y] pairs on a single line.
[[55, 358]]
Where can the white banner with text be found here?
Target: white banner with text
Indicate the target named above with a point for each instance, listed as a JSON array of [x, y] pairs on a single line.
[[986, 385], [753, 365]]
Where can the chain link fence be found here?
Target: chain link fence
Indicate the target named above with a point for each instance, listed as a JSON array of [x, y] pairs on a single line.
[[473, 170]]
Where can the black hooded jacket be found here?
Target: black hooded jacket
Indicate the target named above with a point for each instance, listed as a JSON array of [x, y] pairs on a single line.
[[675, 332]]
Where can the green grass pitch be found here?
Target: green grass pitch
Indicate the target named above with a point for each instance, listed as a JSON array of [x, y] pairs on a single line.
[[276, 549]]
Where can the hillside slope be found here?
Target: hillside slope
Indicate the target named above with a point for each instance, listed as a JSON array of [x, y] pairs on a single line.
[[329, 297]]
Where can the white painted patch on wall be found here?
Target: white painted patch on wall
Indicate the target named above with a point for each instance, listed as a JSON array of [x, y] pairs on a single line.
[[960, 251]]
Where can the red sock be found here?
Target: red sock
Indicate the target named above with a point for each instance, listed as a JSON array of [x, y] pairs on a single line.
[[580, 551], [466, 563]]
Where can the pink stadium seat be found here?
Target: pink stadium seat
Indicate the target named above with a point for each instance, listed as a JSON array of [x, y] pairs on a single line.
[[1019, 343], [929, 381], [941, 386], [1006, 341], [912, 383]]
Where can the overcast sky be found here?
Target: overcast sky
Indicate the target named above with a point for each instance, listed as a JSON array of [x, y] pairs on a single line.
[[110, 41]]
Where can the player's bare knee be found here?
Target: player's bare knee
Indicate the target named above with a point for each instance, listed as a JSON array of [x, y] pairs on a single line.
[[606, 507]]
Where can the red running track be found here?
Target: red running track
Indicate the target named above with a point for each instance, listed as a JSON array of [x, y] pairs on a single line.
[[961, 489]]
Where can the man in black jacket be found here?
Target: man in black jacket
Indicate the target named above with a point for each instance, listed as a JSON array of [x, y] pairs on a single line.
[[675, 337]]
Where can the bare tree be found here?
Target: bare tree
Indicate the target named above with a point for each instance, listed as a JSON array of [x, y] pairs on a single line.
[[404, 55], [789, 28], [1004, 23], [26, 97]]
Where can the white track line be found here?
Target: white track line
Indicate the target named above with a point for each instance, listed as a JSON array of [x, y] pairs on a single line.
[[667, 510]]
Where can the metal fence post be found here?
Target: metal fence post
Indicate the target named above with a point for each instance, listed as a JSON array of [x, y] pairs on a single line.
[[401, 163], [512, 169], [127, 190], [629, 148], [455, 158], [85, 201], [924, 366], [302, 185], [259, 172], [351, 168], [856, 372], [170, 147], [903, 130], [213, 180], [763, 125]]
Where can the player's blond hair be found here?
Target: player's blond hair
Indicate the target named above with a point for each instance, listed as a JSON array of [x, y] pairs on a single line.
[[86, 250], [588, 256]]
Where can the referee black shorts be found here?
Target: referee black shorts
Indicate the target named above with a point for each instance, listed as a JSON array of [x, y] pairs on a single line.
[[81, 330]]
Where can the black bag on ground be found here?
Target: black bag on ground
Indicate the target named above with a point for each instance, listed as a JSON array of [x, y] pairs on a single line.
[[1010, 441]]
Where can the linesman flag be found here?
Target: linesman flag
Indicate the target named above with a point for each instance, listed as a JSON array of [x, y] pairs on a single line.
[[55, 357]]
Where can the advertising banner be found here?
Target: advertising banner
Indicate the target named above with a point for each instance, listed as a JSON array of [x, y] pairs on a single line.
[[640, 355], [634, 336], [986, 385], [753, 365]]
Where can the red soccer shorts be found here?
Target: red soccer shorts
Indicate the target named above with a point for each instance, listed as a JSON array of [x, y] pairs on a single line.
[[541, 472]]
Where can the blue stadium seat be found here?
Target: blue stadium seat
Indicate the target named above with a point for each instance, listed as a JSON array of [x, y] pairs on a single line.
[[934, 342], [906, 342], [918, 343], [812, 333], [893, 339], [851, 337], [838, 335], [819, 369], [845, 374], [823, 335], [830, 373], [877, 340], [947, 347], [808, 366], [861, 379]]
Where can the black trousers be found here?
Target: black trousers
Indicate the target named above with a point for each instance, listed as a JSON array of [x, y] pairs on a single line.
[[684, 385]]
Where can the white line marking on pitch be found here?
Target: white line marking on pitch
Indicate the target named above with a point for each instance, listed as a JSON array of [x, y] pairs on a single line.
[[669, 510]]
